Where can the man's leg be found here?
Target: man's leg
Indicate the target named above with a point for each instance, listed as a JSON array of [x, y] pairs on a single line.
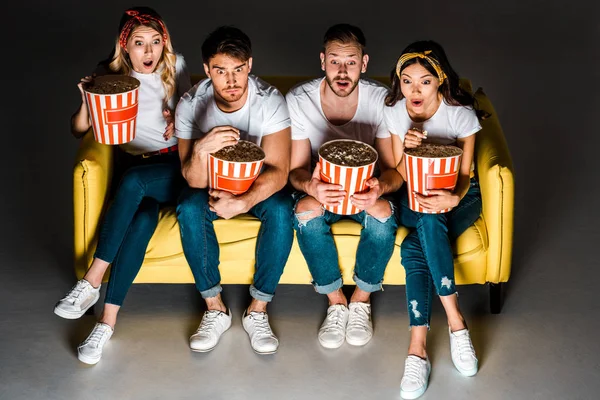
[[201, 250], [313, 231], [273, 246], [375, 249]]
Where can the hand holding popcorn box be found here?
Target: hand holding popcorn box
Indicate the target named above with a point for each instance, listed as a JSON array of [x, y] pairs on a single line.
[[349, 163], [428, 167]]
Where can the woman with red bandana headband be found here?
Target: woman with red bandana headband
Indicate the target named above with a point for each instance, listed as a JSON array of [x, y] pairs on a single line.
[[426, 105], [149, 166]]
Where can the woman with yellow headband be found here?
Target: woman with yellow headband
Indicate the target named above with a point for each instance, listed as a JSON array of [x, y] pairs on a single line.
[[426, 105], [149, 165]]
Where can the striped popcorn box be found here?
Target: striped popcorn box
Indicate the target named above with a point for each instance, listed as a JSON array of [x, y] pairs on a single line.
[[113, 115], [352, 178], [235, 176], [425, 173]]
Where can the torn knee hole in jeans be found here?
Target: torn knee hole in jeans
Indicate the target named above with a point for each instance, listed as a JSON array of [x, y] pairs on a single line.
[[305, 216], [385, 219]]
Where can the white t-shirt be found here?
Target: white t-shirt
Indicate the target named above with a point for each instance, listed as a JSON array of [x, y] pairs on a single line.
[[264, 112], [444, 127], [150, 123], [309, 120]]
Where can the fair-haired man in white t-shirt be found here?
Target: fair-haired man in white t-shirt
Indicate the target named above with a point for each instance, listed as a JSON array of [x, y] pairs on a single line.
[[342, 106], [217, 112]]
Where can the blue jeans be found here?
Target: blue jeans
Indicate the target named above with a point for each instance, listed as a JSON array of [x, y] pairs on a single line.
[[201, 247], [374, 251], [130, 256], [427, 253], [159, 179]]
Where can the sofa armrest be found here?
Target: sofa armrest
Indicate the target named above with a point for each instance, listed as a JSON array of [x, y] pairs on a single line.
[[495, 172], [92, 173]]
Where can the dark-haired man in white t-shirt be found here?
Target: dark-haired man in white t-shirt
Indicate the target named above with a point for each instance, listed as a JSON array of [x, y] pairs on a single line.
[[217, 112]]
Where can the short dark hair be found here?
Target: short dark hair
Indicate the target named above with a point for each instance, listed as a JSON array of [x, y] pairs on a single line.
[[227, 40], [345, 33]]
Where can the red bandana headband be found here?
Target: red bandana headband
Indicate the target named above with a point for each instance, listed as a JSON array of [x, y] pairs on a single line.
[[142, 19]]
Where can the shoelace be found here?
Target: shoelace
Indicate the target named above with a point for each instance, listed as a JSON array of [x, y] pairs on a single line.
[[208, 321], [78, 292], [334, 319], [464, 346], [362, 318], [97, 335], [412, 370], [261, 324]]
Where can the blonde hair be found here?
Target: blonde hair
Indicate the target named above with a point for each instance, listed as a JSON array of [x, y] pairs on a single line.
[[121, 64]]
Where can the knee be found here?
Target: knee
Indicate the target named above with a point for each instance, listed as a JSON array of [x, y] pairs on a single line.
[[277, 208], [307, 208], [382, 210], [191, 203], [432, 220], [409, 246], [146, 218]]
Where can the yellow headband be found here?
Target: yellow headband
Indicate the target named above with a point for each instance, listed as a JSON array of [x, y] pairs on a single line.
[[434, 63]]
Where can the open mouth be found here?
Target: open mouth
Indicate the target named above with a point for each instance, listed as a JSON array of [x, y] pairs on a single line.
[[416, 103], [343, 84], [148, 63]]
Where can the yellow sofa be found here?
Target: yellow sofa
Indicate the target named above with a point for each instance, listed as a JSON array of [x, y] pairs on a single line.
[[482, 253]]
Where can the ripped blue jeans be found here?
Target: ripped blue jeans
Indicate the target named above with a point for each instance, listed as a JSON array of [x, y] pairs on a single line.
[[427, 252], [375, 248]]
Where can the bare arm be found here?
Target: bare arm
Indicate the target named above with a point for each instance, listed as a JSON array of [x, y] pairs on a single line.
[[398, 151], [80, 120], [390, 179], [300, 175]]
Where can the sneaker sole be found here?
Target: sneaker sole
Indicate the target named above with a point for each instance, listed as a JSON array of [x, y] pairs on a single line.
[[88, 360], [263, 352], [413, 395], [218, 340], [467, 372], [72, 314], [329, 345], [353, 342]]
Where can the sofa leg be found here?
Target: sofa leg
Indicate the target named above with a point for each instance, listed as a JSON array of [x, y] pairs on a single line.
[[91, 311], [496, 297]]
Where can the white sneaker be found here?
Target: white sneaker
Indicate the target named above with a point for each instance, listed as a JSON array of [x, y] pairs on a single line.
[[81, 297], [262, 339], [212, 326], [90, 351], [416, 377], [360, 328], [463, 353], [333, 330]]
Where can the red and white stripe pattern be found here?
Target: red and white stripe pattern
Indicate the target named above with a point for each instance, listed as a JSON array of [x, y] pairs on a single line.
[[234, 177], [424, 173], [351, 178], [113, 116]]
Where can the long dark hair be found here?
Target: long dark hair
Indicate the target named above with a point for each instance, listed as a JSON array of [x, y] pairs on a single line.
[[450, 89]]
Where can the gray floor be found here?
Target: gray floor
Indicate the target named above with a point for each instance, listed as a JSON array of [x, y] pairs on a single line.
[[539, 65]]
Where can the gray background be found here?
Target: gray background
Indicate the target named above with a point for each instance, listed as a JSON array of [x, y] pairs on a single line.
[[536, 60]]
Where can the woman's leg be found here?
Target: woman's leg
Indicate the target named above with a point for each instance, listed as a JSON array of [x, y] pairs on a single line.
[[160, 181], [125, 267], [129, 259]]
